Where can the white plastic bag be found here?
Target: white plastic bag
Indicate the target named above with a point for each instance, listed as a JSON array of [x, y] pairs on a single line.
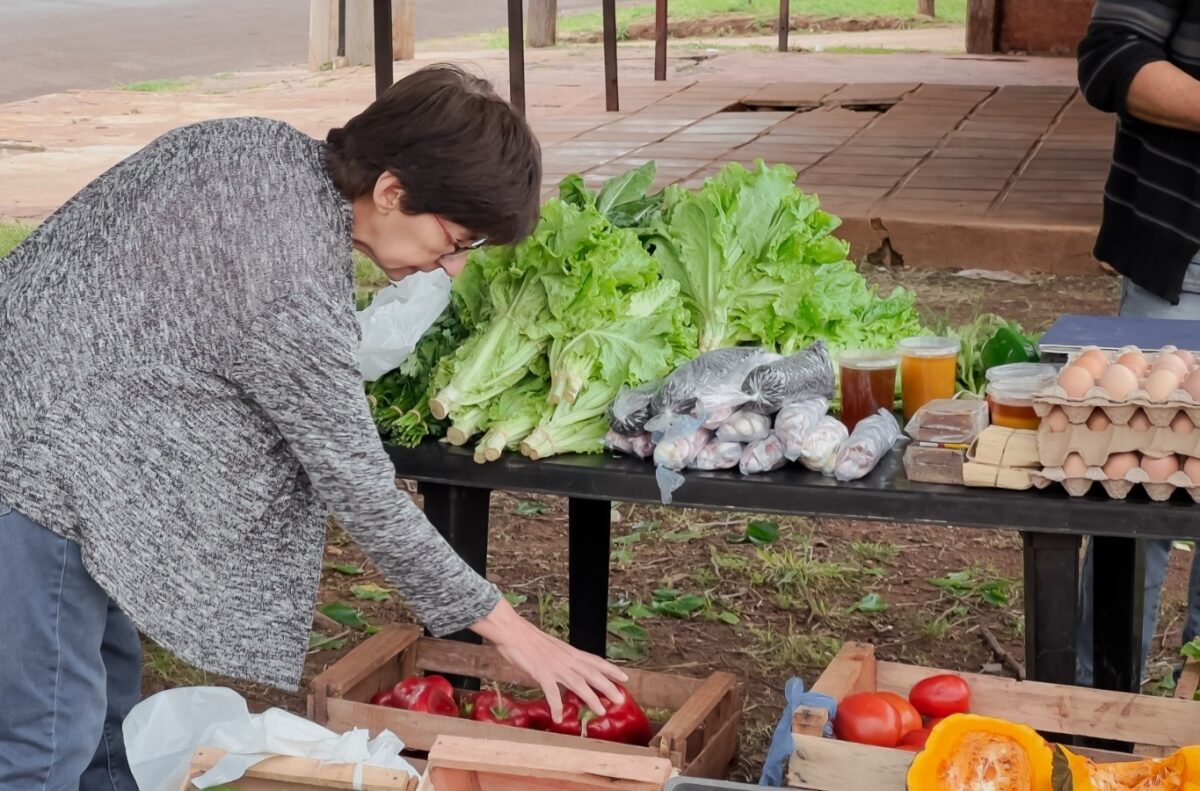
[[164, 730], [397, 318], [717, 455], [745, 425], [763, 455], [873, 437], [795, 421], [818, 451]]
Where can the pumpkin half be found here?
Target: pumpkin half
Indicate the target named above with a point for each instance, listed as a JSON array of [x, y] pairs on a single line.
[[1177, 772], [966, 752]]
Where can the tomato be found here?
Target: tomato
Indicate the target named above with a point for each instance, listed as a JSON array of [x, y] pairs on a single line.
[[867, 718], [912, 748], [910, 718], [915, 738], [941, 696]]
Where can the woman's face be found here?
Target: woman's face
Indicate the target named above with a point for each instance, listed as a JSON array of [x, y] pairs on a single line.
[[400, 243]]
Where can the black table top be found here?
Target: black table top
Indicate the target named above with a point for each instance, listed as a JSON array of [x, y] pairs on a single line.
[[885, 495]]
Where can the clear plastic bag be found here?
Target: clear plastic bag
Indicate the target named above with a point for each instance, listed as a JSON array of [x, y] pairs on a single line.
[[717, 455], [714, 418], [744, 426], [818, 451], [396, 319], [762, 456], [630, 410], [873, 437], [806, 374], [679, 446], [795, 421], [949, 420], [698, 386], [640, 445]]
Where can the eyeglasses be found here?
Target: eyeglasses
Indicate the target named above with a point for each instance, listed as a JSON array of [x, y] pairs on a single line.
[[459, 248]]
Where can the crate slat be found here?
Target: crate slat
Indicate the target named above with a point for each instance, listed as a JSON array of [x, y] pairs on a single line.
[[285, 773]]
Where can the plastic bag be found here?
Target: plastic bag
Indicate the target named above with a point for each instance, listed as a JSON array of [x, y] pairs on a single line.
[[630, 410], [697, 386], [873, 437], [640, 445], [782, 744], [762, 456], [714, 418], [679, 446], [806, 374], [744, 426], [164, 730], [397, 318], [717, 455], [818, 451], [949, 420], [795, 421]]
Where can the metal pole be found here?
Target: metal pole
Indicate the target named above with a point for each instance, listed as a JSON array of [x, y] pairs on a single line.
[[383, 45], [785, 22], [516, 56], [660, 39], [611, 100]]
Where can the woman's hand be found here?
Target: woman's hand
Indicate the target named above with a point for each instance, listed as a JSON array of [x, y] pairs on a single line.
[[550, 662]]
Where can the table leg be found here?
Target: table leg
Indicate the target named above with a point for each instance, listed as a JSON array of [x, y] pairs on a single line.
[[1118, 584], [590, 528], [1051, 599]]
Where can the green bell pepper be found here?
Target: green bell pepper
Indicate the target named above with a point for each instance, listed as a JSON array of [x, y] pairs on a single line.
[[1008, 346]]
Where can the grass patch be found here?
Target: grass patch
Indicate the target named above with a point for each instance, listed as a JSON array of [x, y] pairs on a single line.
[[799, 576], [156, 86], [368, 279], [11, 235], [874, 552], [552, 615], [794, 651], [171, 669]]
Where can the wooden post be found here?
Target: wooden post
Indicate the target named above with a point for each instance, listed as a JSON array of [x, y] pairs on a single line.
[[660, 39], [322, 33], [785, 22], [360, 32], [403, 33], [516, 56], [609, 11], [542, 26], [925, 8], [981, 27]]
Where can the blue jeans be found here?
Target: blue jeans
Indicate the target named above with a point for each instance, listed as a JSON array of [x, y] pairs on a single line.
[[70, 667], [1138, 302]]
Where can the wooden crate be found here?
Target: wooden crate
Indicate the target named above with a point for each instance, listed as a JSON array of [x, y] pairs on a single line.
[[700, 738], [284, 773], [457, 764], [1157, 725]]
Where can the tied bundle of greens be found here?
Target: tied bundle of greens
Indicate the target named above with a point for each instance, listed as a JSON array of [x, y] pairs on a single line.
[[986, 342]]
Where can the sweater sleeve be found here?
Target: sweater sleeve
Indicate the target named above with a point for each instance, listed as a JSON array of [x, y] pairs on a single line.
[[1124, 36], [301, 369]]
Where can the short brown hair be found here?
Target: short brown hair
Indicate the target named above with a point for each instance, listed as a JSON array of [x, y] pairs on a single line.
[[458, 149]]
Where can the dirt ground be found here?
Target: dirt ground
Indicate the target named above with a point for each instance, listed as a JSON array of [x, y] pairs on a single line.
[[922, 594]]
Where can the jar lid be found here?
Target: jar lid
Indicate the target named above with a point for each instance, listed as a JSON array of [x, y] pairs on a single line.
[[868, 359], [929, 347], [1015, 372], [1017, 389]]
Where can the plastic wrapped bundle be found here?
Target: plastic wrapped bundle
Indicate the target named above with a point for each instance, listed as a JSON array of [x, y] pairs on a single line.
[[640, 445], [717, 455], [807, 374], [744, 426], [714, 418], [762, 456], [873, 437], [795, 421], [818, 451], [677, 449], [630, 410], [697, 387]]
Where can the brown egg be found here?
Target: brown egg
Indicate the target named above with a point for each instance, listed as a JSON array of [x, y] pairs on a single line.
[[1140, 421], [1098, 421], [1160, 469], [1160, 384], [1136, 362], [1171, 363], [1092, 359], [1057, 420], [1192, 468], [1182, 424], [1076, 380], [1188, 358], [1120, 463], [1118, 381], [1075, 466], [1192, 385]]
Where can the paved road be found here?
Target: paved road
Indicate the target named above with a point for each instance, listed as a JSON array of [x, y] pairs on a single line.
[[53, 45]]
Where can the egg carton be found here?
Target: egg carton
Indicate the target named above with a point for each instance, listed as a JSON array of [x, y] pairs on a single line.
[[1096, 446], [1119, 413], [1117, 488]]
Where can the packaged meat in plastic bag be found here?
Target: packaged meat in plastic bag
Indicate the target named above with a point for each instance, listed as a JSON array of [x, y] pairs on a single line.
[[762, 456], [873, 437], [640, 445], [677, 448], [630, 410], [714, 418], [818, 451], [699, 386], [806, 374], [794, 421], [744, 426], [717, 455]]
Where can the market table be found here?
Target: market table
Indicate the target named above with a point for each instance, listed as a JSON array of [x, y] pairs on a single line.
[[457, 493]]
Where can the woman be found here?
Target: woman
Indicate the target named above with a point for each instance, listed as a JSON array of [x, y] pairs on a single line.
[[180, 407]]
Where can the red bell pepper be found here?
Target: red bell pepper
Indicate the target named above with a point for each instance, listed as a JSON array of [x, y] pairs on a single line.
[[383, 698], [496, 707], [538, 712], [430, 694], [626, 723]]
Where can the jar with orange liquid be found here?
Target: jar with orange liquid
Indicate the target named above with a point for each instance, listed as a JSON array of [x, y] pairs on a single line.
[[1010, 393], [928, 368], [868, 384]]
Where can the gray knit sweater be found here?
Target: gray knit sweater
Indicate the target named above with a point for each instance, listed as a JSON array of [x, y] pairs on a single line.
[[179, 393]]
